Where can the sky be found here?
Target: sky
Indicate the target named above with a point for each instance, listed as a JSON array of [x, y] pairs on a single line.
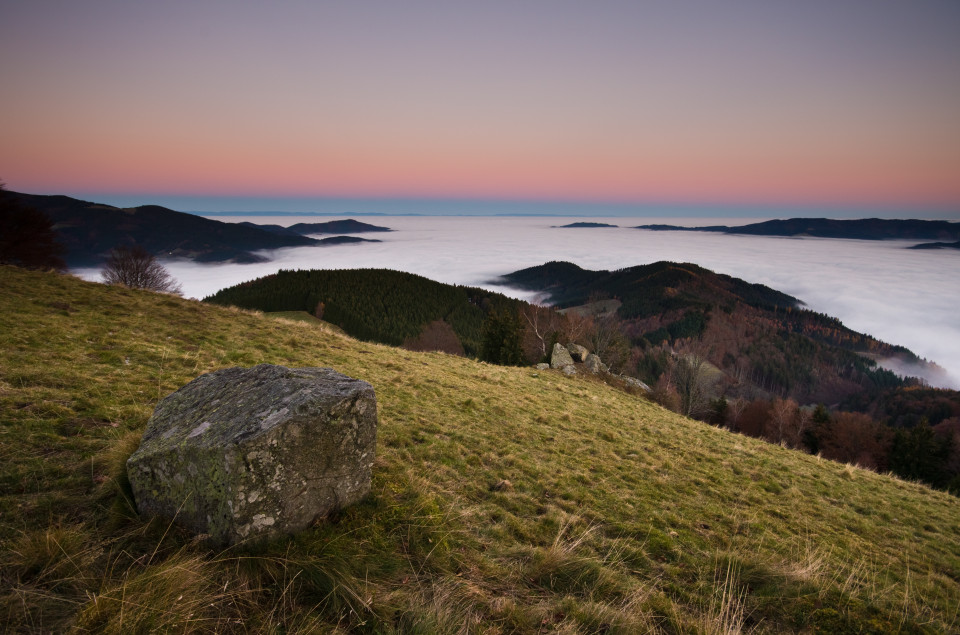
[[818, 103]]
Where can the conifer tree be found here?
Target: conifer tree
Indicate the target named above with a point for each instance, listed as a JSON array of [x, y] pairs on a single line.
[[502, 338]]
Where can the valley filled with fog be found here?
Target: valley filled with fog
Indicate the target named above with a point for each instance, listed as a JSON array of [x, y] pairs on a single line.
[[901, 296]]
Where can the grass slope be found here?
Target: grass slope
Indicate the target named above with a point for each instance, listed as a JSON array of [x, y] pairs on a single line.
[[618, 517]]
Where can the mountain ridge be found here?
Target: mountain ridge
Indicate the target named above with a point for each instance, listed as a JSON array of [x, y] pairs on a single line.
[[90, 230], [859, 229]]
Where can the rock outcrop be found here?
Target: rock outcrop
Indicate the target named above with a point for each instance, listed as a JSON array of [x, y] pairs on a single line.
[[577, 352], [563, 358], [250, 453], [560, 356], [593, 364], [636, 383]]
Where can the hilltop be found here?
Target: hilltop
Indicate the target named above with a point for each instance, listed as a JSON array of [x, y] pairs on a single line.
[[504, 500], [89, 231], [379, 305], [764, 340]]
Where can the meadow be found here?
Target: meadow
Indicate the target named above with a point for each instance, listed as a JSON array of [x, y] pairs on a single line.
[[504, 499]]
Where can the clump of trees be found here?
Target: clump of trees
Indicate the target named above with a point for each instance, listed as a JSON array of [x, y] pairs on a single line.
[[136, 268], [502, 338], [28, 239], [929, 454], [437, 336], [380, 305]]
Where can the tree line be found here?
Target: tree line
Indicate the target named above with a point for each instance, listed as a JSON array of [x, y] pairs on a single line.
[[382, 305]]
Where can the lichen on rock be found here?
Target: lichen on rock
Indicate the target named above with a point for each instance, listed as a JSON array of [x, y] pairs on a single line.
[[245, 453], [560, 356]]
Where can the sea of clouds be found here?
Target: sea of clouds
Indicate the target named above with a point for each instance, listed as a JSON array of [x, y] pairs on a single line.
[[901, 296]]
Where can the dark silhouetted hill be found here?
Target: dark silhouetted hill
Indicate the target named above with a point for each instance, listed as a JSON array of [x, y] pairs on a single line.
[[955, 245], [346, 226], [584, 225], [861, 229], [90, 230]]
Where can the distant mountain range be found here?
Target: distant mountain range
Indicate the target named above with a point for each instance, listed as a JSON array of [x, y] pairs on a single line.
[[862, 229], [90, 230]]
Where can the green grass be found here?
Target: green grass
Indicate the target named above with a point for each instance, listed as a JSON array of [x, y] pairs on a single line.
[[619, 516], [303, 316]]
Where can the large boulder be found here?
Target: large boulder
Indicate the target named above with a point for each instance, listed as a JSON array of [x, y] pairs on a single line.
[[560, 356], [593, 364], [577, 352], [250, 453]]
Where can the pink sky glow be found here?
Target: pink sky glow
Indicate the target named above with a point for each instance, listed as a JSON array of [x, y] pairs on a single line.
[[693, 101]]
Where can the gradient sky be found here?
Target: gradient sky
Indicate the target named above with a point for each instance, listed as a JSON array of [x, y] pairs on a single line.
[[819, 102]]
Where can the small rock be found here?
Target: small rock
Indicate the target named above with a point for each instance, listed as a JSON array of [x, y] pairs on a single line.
[[560, 356], [569, 370], [501, 486], [636, 383], [577, 352], [542, 366]]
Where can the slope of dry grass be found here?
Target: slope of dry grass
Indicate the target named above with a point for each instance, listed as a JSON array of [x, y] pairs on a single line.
[[619, 516]]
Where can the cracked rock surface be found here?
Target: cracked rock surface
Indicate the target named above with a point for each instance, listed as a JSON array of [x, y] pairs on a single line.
[[253, 453]]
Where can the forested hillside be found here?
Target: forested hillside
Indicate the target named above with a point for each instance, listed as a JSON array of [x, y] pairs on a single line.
[[379, 305], [760, 336]]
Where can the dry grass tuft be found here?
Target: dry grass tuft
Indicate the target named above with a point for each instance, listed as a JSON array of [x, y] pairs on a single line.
[[53, 557], [185, 593], [727, 611]]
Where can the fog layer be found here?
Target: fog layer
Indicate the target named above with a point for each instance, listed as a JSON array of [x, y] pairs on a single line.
[[901, 296]]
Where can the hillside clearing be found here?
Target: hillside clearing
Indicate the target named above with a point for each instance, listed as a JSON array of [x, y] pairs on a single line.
[[619, 516]]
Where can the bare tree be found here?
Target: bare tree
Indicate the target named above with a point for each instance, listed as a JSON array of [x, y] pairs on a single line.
[[436, 336], [135, 267], [605, 333], [735, 408], [543, 325], [538, 330], [576, 328], [692, 379]]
